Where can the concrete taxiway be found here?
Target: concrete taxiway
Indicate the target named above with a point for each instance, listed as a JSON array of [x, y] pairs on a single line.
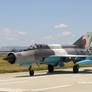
[[59, 81]]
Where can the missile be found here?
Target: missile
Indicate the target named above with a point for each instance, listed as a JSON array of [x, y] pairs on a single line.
[[84, 62]]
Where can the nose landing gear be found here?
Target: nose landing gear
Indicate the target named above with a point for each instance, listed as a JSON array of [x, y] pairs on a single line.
[[31, 71]]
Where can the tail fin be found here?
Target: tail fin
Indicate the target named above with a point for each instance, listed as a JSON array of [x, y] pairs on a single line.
[[84, 41]]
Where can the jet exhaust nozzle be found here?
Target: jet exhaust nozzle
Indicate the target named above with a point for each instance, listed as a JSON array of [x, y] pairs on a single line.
[[11, 58]]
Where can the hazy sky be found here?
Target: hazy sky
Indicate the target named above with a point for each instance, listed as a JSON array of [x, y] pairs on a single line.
[[24, 22]]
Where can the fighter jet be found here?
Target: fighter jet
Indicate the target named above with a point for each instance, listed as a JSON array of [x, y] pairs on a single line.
[[53, 54]]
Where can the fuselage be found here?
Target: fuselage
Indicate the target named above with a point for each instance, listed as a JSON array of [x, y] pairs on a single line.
[[41, 52]]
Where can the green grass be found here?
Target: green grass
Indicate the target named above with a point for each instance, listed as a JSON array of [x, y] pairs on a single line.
[[5, 67]]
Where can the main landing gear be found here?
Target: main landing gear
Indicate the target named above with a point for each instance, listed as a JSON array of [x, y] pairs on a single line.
[[31, 71], [50, 68], [76, 68]]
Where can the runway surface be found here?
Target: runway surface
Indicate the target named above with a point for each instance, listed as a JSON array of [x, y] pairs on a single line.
[[59, 81]]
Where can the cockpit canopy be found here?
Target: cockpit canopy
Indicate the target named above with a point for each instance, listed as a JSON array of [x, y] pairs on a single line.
[[38, 46]]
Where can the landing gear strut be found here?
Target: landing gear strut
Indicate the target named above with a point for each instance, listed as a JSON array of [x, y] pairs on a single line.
[[31, 71], [76, 68], [50, 68]]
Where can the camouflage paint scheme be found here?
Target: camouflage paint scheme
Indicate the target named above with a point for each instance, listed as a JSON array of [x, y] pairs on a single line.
[[54, 54]]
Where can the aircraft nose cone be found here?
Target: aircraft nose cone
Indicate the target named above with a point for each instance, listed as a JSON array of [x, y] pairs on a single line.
[[10, 58]]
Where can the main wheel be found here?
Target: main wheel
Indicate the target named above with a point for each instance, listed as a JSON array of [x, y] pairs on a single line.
[[76, 68], [50, 68], [31, 71]]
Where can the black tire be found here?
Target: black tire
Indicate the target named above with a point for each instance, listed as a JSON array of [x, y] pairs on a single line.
[[31, 72], [75, 68], [50, 68]]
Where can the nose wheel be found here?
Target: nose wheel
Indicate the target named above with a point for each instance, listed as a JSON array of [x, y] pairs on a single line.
[[76, 68], [50, 68], [31, 71]]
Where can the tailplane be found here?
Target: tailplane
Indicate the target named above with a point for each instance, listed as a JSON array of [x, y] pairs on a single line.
[[84, 41]]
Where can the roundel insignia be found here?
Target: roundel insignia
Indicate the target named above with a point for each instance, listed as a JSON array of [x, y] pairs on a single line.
[[84, 42]]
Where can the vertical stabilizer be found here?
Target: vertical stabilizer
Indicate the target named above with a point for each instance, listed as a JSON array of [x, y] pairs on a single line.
[[84, 41]]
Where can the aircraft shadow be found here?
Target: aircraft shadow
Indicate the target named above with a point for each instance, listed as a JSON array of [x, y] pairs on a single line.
[[85, 71]]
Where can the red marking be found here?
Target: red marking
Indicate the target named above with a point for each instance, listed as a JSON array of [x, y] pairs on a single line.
[[84, 42]]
